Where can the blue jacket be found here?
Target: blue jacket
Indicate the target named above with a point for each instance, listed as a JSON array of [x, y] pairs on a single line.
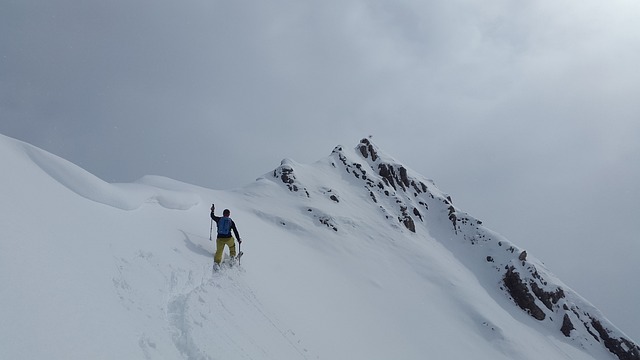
[[232, 228]]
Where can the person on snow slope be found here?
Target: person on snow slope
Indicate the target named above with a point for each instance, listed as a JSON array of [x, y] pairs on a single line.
[[225, 225]]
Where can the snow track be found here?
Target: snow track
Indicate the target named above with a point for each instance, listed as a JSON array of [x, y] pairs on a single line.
[[206, 316], [238, 319]]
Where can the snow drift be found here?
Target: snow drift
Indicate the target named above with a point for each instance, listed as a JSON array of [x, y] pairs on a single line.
[[354, 256]]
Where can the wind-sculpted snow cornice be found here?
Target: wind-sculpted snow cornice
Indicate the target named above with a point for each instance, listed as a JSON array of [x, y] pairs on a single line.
[[124, 196]]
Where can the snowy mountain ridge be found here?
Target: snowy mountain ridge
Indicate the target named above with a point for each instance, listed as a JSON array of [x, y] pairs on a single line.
[[405, 198], [354, 256]]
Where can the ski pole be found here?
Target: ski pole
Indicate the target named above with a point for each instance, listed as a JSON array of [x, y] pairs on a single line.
[[213, 206]]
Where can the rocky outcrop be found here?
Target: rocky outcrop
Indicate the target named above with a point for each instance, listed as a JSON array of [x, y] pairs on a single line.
[[384, 180], [544, 301], [521, 295], [392, 181], [567, 326], [623, 348], [285, 173]]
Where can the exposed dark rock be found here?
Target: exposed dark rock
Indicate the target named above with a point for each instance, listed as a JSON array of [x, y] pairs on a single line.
[[334, 198], [419, 189], [406, 219], [403, 176], [409, 224], [489, 258], [328, 222], [418, 214], [415, 186], [343, 159], [388, 174], [567, 326], [366, 148], [363, 151], [523, 256], [453, 218], [521, 295], [393, 178], [288, 177], [622, 348], [373, 196], [548, 298]]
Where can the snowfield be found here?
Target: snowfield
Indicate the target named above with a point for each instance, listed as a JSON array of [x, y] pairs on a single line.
[[344, 259]]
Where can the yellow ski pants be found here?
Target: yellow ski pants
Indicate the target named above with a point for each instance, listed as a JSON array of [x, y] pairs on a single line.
[[220, 243]]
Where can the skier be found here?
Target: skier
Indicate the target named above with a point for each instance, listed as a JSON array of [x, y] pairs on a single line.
[[225, 225]]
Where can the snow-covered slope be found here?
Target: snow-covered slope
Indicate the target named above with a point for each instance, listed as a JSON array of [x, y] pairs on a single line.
[[354, 256]]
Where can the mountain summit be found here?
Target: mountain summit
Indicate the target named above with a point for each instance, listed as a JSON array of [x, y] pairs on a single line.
[[409, 202], [354, 256]]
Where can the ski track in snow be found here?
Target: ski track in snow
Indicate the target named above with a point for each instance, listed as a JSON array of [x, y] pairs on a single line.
[[193, 301]]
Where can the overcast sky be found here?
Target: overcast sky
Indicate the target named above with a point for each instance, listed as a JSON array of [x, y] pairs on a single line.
[[526, 112]]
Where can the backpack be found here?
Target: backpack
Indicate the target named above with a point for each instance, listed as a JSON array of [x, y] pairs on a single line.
[[224, 226]]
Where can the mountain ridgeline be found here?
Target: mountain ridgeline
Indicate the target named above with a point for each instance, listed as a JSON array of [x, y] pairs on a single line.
[[408, 202]]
